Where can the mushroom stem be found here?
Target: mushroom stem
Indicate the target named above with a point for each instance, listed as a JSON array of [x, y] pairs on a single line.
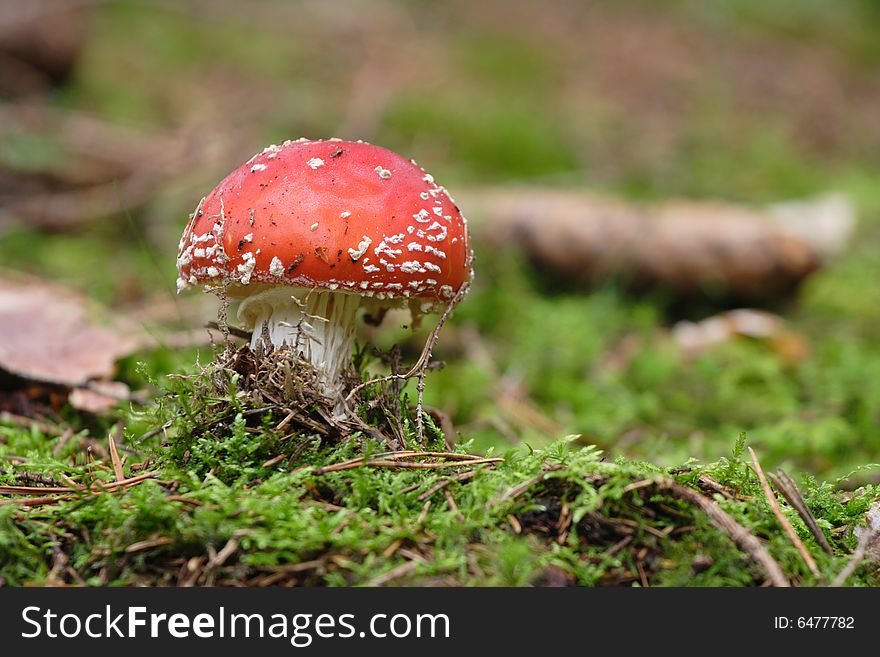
[[319, 324]]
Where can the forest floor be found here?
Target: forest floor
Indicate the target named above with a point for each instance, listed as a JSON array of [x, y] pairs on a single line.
[[588, 449]]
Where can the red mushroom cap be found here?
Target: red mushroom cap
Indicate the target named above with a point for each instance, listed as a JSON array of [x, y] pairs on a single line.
[[330, 214]]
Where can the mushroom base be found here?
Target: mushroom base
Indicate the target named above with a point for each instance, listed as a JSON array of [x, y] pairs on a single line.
[[319, 324]]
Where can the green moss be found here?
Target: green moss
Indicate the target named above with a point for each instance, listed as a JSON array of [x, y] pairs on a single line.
[[553, 512], [550, 362], [488, 138]]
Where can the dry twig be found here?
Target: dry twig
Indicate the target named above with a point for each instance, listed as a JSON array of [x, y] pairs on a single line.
[[791, 493], [420, 368], [394, 573], [858, 556], [463, 476], [403, 459], [44, 427], [739, 534], [97, 487], [114, 457], [786, 525]]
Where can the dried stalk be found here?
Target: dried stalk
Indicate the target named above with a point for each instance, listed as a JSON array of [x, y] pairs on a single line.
[[786, 525], [739, 534], [791, 493]]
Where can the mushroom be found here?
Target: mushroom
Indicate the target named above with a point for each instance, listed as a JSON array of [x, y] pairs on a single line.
[[307, 232]]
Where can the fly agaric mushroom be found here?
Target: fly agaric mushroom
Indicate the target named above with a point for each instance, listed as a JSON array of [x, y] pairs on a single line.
[[307, 232]]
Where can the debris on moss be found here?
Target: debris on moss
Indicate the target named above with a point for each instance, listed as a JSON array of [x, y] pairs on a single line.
[[211, 505]]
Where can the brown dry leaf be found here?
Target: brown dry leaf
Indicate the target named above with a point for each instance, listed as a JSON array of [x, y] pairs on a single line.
[[49, 334], [687, 246], [99, 397], [695, 337]]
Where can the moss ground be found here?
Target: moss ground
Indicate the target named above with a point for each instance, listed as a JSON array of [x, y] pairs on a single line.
[[582, 395]]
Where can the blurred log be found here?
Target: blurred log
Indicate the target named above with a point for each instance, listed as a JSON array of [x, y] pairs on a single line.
[[40, 43], [691, 247], [99, 169]]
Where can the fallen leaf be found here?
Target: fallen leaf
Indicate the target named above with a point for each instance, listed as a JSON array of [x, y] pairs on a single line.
[[696, 337], [99, 397], [50, 334]]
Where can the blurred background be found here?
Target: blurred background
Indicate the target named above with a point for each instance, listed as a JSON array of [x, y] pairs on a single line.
[[633, 170]]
